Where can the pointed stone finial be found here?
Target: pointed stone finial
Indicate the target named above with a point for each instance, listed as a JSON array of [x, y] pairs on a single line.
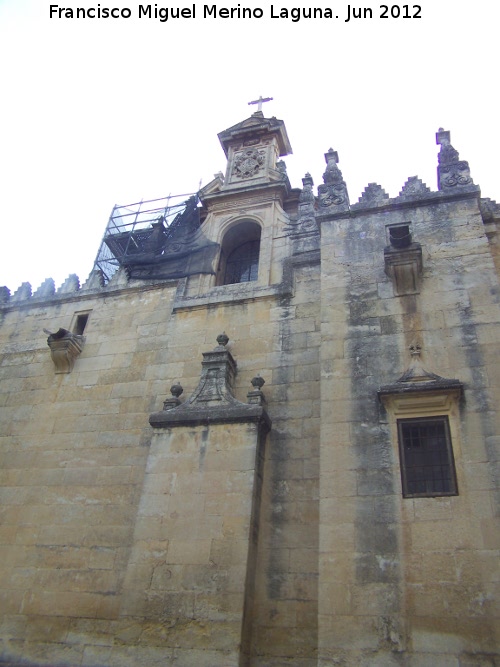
[[222, 339], [307, 180], [307, 194], [305, 224], [281, 167], [452, 172], [333, 194], [176, 389], [332, 160], [255, 396], [258, 382], [170, 403]]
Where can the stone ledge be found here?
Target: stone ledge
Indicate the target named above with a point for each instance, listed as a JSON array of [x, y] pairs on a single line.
[[187, 415], [421, 387], [241, 292]]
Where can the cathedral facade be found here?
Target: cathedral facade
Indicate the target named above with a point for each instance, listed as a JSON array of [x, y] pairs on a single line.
[[263, 433]]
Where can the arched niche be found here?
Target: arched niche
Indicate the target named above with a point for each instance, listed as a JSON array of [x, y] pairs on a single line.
[[239, 254]]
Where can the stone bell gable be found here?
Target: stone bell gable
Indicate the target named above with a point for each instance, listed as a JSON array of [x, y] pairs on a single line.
[[264, 431]]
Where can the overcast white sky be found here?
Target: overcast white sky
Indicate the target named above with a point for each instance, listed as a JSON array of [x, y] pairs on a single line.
[[99, 112]]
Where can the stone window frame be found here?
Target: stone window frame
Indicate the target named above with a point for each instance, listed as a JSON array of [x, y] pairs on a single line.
[[407, 225], [80, 321], [447, 451], [424, 405], [248, 226]]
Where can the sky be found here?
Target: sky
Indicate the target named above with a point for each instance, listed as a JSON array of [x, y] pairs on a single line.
[[98, 112]]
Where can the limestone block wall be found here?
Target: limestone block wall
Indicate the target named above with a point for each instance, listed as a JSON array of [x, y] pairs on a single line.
[[286, 609], [186, 587], [73, 450], [407, 580], [76, 483], [118, 548]]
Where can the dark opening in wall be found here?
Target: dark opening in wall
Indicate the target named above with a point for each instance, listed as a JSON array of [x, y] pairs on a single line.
[[80, 323], [427, 465], [400, 236]]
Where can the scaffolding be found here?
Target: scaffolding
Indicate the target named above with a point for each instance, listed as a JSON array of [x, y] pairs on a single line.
[[139, 230]]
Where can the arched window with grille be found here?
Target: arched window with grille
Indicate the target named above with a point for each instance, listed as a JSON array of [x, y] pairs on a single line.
[[239, 259]]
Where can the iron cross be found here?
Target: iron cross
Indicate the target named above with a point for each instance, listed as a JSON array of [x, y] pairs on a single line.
[[260, 101]]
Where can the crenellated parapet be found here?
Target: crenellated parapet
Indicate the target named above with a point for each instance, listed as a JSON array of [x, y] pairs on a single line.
[[70, 288], [46, 291], [332, 200]]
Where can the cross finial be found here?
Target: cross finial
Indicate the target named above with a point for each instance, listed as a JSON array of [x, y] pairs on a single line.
[[260, 102]]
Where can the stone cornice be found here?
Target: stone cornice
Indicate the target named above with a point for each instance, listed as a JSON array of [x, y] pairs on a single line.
[[429, 199]]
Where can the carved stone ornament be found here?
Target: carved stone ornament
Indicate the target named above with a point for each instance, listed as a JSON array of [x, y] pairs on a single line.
[[452, 171], [176, 391], [256, 396], [333, 192], [213, 401], [65, 347], [248, 163], [306, 221], [306, 197]]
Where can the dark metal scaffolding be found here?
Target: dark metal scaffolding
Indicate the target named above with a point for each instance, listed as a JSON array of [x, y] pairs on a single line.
[[138, 229]]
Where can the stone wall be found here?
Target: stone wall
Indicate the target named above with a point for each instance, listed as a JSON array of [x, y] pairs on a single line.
[[76, 481], [137, 531], [407, 580]]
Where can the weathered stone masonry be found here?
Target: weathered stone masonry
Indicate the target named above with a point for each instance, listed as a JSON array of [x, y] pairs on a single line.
[[259, 512]]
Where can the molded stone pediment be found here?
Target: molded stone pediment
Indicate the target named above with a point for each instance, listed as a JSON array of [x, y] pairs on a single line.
[[212, 187], [416, 380], [213, 401], [257, 126]]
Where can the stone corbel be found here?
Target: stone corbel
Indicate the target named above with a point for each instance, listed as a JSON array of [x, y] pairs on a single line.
[[404, 268], [65, 347]]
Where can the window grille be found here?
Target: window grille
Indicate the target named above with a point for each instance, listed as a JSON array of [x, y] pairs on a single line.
[[242, 265], [427, 466]]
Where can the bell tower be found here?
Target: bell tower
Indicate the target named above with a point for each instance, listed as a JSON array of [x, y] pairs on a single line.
[[247, 205], [253, 148]]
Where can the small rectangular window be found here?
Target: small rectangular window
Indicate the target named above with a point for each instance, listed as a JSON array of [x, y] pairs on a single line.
[[80, 322], [427, 466]]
